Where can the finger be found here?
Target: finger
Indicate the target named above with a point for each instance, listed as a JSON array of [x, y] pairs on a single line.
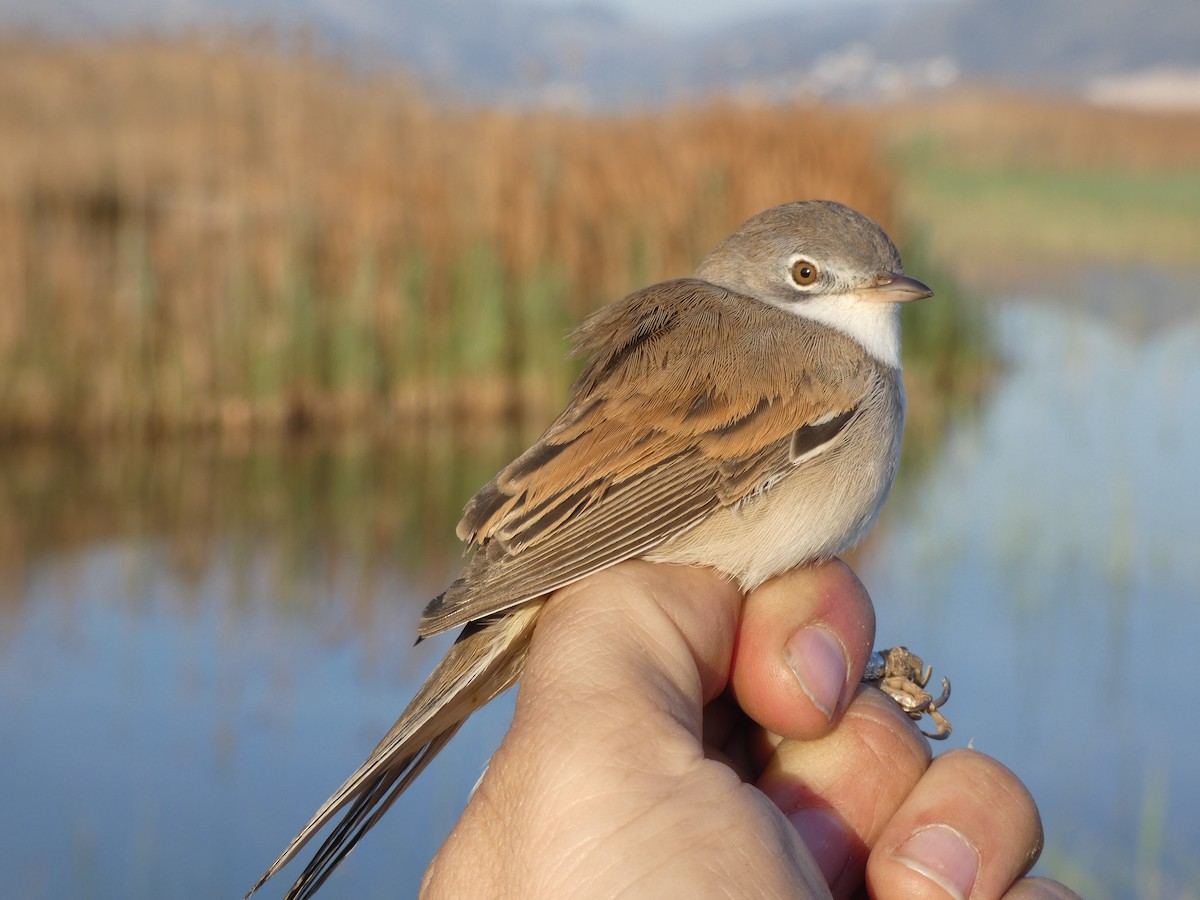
[[841, 790], [970, 828], [802, 645]]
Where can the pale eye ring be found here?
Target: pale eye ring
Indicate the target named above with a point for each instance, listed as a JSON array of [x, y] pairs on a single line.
[[804, 272]]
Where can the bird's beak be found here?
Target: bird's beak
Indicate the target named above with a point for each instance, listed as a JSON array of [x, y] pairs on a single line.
[[892, 288]]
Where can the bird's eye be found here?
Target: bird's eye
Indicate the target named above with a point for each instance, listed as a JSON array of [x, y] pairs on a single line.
[[804, 273]]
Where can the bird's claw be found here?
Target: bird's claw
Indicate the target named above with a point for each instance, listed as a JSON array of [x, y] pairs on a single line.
[[903, 676]]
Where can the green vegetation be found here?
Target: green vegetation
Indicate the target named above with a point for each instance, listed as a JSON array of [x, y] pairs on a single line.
[[1003, 184], [1010, 217]]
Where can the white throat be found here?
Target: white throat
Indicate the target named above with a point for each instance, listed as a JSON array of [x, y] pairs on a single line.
[[874, 325]]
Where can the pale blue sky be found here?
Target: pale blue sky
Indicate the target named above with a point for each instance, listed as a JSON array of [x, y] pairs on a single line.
[[688, 13]]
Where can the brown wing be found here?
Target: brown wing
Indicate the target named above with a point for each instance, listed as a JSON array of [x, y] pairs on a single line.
[[693, 399]]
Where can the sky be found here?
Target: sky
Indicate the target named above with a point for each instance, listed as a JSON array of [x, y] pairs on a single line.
[[687, 13]]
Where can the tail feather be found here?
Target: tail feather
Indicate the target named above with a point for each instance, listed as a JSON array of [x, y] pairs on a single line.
[[486, 659], [362, 815]]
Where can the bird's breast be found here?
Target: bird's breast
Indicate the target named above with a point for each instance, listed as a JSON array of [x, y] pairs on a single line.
[[818, 510]]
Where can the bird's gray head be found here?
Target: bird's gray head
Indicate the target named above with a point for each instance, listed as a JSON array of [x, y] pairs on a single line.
[[824, 261]]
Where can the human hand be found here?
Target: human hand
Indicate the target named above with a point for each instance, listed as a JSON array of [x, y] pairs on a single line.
[[663, 746]]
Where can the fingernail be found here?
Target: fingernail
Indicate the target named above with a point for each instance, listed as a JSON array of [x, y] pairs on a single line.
[[826, 837], [944, 856], [816, 657]]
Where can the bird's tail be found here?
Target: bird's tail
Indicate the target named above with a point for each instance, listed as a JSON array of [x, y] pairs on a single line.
[[486, 659]]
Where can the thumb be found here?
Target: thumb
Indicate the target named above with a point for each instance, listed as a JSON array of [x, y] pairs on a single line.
[[635, 639]]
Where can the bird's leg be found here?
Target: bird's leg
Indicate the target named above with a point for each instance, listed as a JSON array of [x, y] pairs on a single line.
[[902, 675]]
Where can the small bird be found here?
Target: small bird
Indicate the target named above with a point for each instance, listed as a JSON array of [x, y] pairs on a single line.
[[747, 418]]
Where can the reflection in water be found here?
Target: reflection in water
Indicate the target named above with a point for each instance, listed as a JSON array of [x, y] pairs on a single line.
[[196, 645], [356, 503]]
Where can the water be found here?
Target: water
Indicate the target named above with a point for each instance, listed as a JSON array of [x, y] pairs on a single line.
[[1052, 562], [195, 647]]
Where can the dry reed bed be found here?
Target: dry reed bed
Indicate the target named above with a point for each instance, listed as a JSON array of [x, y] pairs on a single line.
[[992, 128], [215, 234]]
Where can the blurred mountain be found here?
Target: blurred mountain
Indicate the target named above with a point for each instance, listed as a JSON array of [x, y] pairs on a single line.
[[587, 56], [1066, 41]]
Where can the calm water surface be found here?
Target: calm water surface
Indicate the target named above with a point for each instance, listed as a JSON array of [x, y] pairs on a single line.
[[194, 650]]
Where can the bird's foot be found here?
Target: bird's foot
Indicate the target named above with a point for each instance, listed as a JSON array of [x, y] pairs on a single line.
[[902, 675]]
